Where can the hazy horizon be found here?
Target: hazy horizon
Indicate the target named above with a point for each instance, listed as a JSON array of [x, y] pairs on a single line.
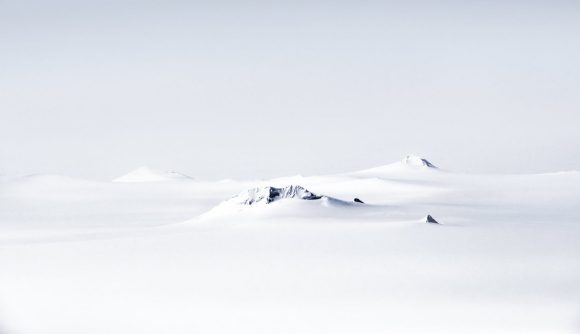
[[263, 89]]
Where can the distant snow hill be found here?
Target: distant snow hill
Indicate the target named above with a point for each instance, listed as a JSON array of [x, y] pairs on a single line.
[[146, 174], [411, 163]]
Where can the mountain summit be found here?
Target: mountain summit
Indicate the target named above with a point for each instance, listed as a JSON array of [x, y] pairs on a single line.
[[416, 161], [409, 164]]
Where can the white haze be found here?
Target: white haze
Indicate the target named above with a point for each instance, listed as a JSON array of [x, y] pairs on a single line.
[[97, 88]]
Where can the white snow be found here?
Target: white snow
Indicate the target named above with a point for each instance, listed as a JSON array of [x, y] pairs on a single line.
[[80, 256], [146, 174]]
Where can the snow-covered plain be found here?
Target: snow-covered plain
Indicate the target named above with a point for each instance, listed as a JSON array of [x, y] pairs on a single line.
[[180, 255]]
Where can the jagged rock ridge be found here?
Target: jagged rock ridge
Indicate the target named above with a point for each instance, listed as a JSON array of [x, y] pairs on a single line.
[[267, 195]]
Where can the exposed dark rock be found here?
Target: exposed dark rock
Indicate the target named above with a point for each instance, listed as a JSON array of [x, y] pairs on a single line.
[[268, 195], [431, 220], [358, 200]]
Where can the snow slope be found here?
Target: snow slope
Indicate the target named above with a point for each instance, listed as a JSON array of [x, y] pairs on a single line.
[[166, 257]]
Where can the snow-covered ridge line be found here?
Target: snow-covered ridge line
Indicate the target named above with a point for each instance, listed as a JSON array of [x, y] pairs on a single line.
[[410, 164]]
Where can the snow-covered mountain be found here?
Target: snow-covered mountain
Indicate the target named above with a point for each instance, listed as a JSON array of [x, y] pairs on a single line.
[[267, 195], [146, 174], [291, 200]]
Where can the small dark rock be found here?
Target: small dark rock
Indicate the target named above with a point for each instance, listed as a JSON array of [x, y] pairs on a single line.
[[358, 200], [431, 220]]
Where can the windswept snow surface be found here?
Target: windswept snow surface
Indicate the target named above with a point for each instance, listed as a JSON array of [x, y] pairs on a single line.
[[80, 256]]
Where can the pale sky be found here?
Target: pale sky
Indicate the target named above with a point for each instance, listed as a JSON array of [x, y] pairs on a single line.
[[248, 89]]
